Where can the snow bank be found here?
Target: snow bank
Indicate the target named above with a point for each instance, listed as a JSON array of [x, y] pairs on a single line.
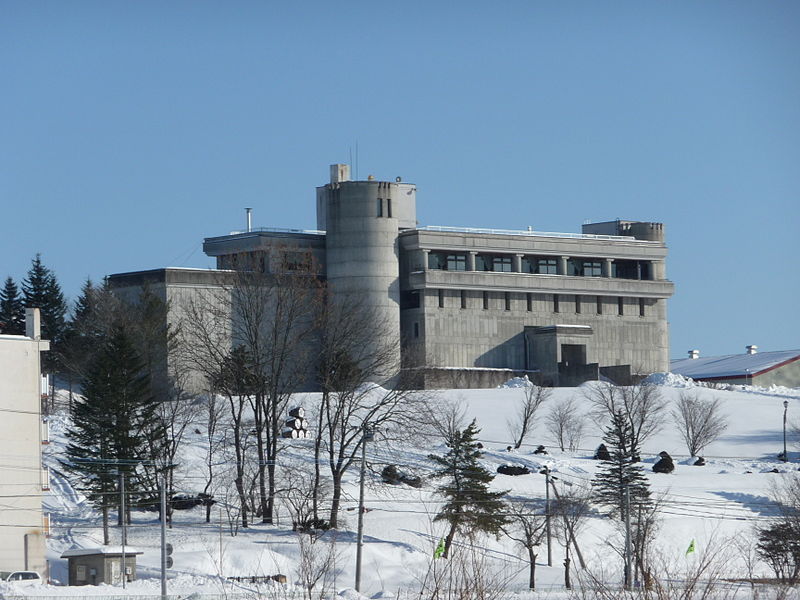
[[670, 380], [516, 382]]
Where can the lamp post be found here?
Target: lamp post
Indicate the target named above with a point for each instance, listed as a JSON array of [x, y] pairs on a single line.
[[785, 408], [368, 435]]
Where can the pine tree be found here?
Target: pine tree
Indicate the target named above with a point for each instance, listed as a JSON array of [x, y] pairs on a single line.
[[42, 290], [470, 506], [113, 427], [622, 471], [12, 309]]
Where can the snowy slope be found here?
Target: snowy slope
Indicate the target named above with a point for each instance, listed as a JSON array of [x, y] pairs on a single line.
[[723, 498]]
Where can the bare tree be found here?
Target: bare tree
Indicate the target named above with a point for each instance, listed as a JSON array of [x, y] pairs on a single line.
[[566, 424], [273, 319], [206, 349], [639, 406], [699, 420], [779, 541], [527, 528], [522, 424], [214, 441], [316, 567], [355, 350]]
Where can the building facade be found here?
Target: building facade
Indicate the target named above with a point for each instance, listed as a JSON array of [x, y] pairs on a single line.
[[22, 478], [472, 306]]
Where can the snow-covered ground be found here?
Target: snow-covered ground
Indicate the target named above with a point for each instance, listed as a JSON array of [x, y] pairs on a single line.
[[709, 504]]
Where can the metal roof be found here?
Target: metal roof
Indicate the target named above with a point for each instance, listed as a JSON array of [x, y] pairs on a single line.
[[732, 365]]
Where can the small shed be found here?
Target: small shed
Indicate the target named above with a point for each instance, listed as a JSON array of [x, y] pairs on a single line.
[[93, 566]]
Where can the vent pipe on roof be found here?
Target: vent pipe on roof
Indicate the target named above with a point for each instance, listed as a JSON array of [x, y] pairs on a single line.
[[694, 354], [249, 220], [751, 349]]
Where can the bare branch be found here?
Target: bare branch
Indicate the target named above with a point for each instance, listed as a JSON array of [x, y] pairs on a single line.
[[700, 421], [533, 398]]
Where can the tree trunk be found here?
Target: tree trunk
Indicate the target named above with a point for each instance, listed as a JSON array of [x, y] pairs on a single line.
[[448, 541], [105, 526], [335, 499], [532, 572]]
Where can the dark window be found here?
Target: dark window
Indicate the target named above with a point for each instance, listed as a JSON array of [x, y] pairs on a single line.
[[447, 262], [416, 330], [529, 298], [409, 299], [599, 305], [501, 264], [625, 269], [621, 306], [389, 207], [485, 300], [456, 262], [555, 303], [483, 262], [528, 265], [574, 267], [508, 300], [577, 304], [547, 266], [641, 307], [380, 207], [646, 270], [463, 298], [592, 269], [441, 298]]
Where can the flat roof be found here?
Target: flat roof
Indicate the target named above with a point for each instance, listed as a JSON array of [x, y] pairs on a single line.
[[103, 550]]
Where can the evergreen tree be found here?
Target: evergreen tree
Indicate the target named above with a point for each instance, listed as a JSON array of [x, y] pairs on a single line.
[[92, 316], [470, 506], [12, 309], [42, 290], [621, 471], [114, 426]]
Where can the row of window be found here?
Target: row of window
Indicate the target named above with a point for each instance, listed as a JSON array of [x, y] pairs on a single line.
[[561, 303], [539, 265]]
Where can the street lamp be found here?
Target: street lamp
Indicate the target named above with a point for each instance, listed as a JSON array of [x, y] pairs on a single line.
[[785, 408]]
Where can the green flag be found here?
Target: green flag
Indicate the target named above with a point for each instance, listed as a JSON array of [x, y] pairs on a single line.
[[690, 549], [439, 549]]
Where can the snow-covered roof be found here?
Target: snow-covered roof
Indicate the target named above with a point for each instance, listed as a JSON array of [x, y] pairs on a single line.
[[732, 365], [108, 550]]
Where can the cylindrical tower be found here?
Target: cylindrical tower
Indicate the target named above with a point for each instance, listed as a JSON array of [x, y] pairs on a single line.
[[362, 220]]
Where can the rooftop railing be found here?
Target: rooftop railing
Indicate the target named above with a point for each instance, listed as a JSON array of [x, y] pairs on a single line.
[[531, 233], [278, 230]]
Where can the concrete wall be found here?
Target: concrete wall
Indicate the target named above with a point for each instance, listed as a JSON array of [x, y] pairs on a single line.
[[361, 246], [494, 337], [22, 544], [198, 302]]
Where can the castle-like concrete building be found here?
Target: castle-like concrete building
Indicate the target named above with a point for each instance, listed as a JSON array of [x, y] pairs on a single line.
[[470, 306]]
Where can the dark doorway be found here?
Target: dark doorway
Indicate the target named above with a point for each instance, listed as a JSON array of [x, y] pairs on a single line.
[[573, 354]]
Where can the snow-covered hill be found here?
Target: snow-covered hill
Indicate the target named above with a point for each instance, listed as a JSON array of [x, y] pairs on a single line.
[[709, 504]]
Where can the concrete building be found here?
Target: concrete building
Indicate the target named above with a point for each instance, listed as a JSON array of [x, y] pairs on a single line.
[[22, 479], [749, 368], [471, 306]]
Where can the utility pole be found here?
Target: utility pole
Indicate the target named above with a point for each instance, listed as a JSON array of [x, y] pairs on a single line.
[[547, 516], [122, 517], [627, 537], [785, 408], [367, 436], [570, 530], [164, 538]]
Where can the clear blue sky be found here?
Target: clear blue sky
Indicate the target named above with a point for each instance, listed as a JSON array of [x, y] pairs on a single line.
[[131, 130]]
